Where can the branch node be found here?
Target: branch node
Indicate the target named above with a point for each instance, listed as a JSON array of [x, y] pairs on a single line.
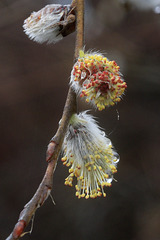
[[50, 150], [19, 228]]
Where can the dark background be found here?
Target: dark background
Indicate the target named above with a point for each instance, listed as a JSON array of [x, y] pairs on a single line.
[[33, 88]]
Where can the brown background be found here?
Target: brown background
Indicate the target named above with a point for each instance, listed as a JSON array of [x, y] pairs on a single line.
[[33, 87]]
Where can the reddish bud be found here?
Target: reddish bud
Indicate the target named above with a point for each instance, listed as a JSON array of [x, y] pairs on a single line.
[[19, 228]]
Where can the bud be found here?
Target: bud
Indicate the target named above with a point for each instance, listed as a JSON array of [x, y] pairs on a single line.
[[97, 79], [50, 24], [90, 156]]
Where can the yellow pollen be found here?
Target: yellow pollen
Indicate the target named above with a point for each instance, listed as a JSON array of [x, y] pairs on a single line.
[[106, 175], [91, 156], [64, 159], [77, 188], [89, 169], [77, 173], [71, 170], [99, 194], [87, 164]]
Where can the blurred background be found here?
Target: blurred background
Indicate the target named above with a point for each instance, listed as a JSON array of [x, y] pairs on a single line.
[[33, 88]]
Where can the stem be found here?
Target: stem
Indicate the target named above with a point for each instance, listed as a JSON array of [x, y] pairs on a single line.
[[54, 147], [80, 27]]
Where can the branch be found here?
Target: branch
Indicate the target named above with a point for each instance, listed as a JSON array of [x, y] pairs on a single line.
[[80, 27], [54, 147]]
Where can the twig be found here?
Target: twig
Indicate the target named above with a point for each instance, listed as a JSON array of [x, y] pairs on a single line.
[[55, 144], [80, 27]]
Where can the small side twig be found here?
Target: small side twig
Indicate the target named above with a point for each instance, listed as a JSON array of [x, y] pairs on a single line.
[[55, 144]]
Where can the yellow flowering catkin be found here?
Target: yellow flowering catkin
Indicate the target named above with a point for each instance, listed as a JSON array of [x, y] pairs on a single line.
[[89, 155], [97, 79]]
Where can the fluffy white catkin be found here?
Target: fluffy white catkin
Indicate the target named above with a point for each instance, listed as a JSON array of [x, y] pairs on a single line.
[[90, 156], [44, 25]]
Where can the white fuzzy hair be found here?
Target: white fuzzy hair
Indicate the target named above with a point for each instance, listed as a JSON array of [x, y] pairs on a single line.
[[43, 26]]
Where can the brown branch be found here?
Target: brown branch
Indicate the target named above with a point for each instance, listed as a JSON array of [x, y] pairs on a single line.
[[55, 144], [80, 27]]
